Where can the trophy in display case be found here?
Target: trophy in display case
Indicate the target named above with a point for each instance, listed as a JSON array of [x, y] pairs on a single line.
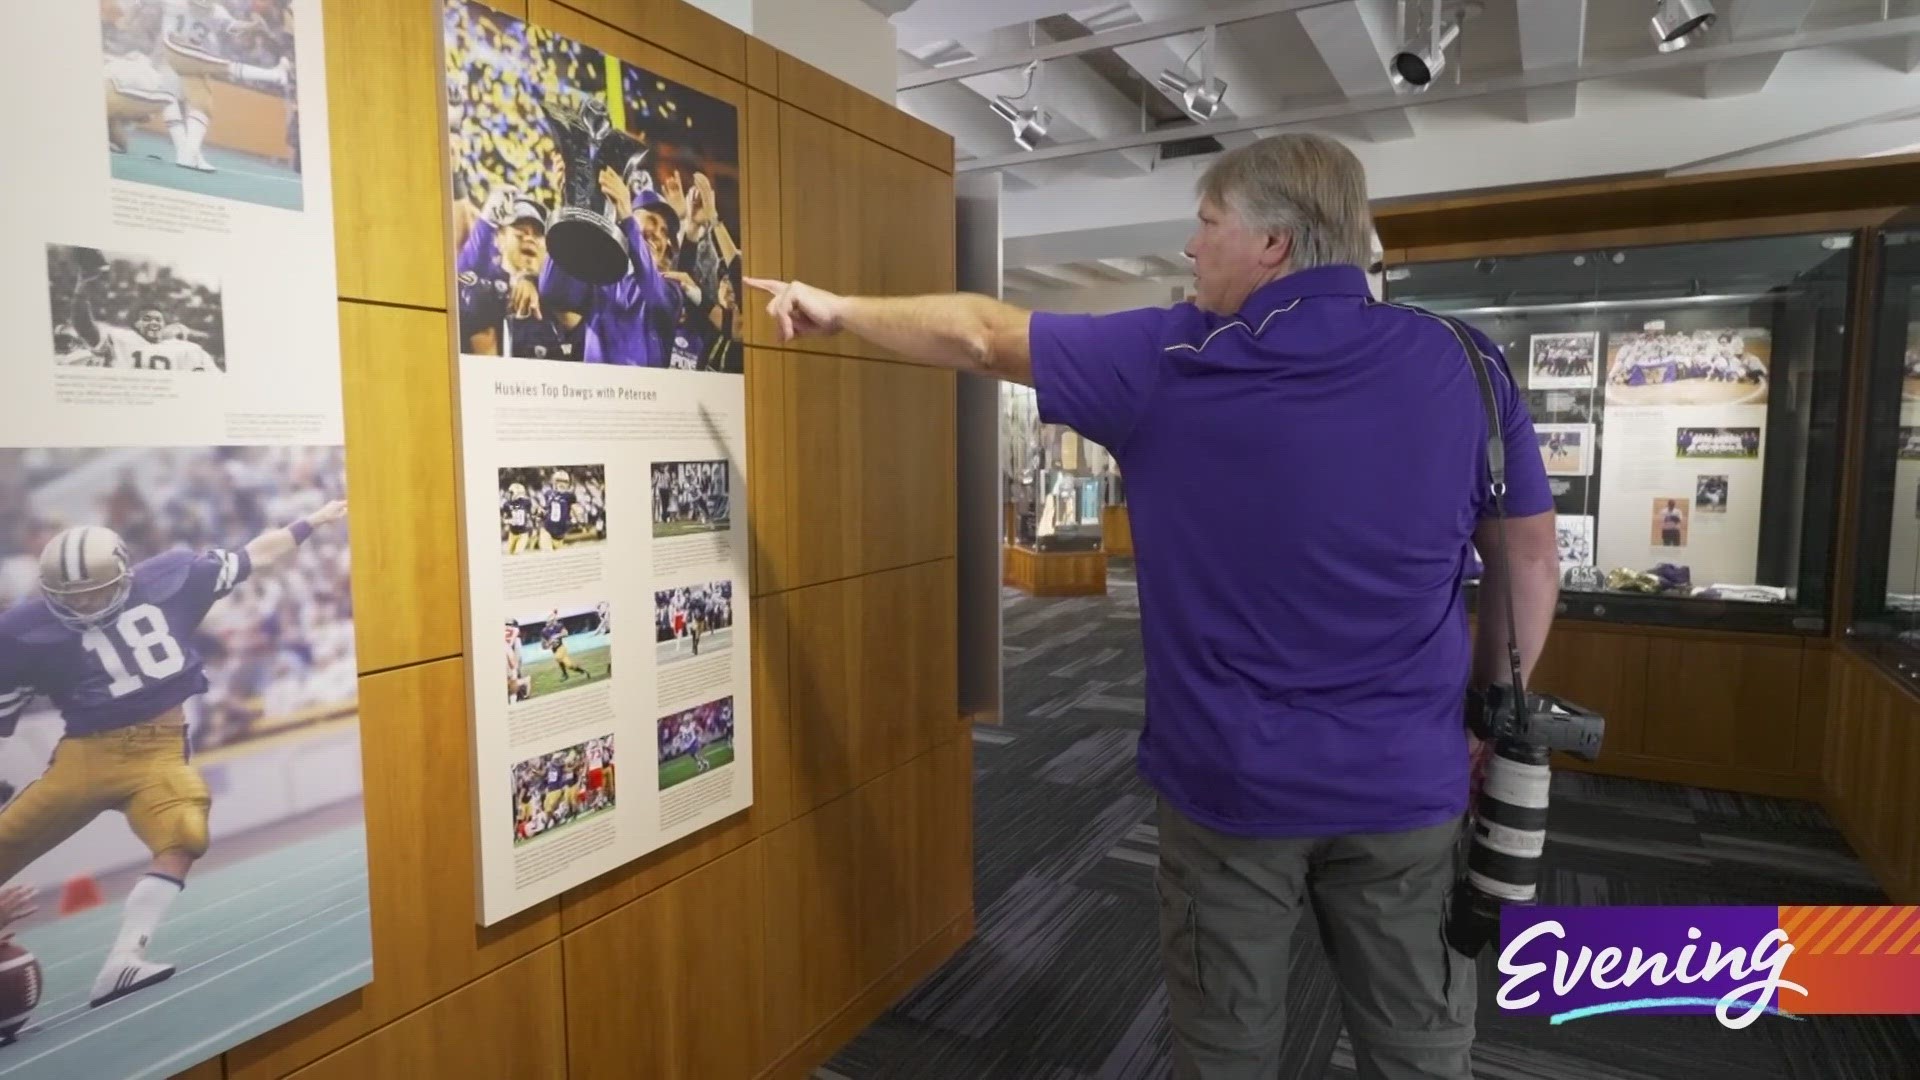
[[583, 239]]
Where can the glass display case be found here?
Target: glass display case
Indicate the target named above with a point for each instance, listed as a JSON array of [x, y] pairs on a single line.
[[1886, 601], [1056, 482], [1686, 398]]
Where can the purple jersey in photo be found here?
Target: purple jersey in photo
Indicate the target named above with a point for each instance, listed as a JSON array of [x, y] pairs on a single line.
[[553, 634], [519, 515], [133, 667], [631, 321], [483, 281], [559, 512]]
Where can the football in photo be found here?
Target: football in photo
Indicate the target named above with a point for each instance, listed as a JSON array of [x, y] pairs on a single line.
[[559, 649], [183, 847], [202, 96], [692, 621], [566, 787], [552, 507], [115, 311], [695, 741], [691, 497]]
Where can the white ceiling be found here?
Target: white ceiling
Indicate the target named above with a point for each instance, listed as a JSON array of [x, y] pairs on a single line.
[[1546, 90]]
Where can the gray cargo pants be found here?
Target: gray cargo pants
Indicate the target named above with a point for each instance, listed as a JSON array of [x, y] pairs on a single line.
[[1228, 908]]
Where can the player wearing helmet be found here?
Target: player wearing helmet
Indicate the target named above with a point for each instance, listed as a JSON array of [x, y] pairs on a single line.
[[174, 79], [111, 643], [519, 685], [557, 510], [516, 519], [554, 637]]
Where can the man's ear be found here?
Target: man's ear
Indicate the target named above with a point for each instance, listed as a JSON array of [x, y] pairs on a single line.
[[1278, 250]]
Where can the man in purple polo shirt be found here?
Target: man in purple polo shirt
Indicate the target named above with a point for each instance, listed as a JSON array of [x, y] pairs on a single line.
[[1306, 471]]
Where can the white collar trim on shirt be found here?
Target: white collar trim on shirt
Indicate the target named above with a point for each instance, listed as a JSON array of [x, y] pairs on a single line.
[[1242, 324]]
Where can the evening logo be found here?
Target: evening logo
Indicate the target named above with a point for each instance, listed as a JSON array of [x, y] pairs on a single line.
[[1737, 963]]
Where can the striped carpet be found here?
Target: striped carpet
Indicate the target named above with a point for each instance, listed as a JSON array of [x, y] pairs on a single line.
[[1062, 982]]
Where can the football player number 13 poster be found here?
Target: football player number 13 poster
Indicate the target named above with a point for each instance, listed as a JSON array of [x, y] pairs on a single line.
[[596, 267], [182, 850]]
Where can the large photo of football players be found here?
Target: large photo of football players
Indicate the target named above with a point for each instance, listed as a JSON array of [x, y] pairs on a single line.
[[695, 742], [566, 787], [133, 313], [692, 621], [551, 507], [181, 830], [596, 205], [201, 96], [560, 648], [691, 497]]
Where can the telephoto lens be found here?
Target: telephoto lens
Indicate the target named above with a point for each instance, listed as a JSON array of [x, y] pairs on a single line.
[[1509, 836]]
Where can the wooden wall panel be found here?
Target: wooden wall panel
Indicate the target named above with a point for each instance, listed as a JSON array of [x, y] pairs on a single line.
[[1723, 703], [680, 28], [1605, 672], [772, 716], [763, 66], [638, 32], [908, 514], [619, 887], [823, 674], [400, 485], [419, 800], [825, 196], [813, 911], [764, 242], [670, 987], [826, 457], [508, 1024], [1871, 767], [852, 108], [1810, 723], [390, 199], [768, 463], [206, 1070]]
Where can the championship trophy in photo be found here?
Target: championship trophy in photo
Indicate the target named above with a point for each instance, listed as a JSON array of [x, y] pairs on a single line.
[[583, 239]]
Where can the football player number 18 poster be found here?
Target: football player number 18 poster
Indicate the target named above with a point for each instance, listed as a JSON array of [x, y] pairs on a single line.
[[182, 849], [596, 270]]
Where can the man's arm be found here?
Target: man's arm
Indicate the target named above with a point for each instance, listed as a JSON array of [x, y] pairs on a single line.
[[1529, 572], [960, 331]]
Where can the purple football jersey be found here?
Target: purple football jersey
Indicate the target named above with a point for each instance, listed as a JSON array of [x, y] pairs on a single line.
[[128, 669]]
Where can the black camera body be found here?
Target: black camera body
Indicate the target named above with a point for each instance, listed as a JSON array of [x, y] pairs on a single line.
[[1542, 720]]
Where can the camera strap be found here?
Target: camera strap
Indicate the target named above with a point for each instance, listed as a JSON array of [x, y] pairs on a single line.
[[1496, 487]]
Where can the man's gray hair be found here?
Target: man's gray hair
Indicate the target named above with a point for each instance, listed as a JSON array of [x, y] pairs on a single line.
[[1308, 186]]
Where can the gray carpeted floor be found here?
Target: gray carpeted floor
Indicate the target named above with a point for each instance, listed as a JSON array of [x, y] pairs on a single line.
[[1062, 982]]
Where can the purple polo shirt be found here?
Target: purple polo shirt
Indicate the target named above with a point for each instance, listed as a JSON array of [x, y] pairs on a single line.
[[1304, 481]]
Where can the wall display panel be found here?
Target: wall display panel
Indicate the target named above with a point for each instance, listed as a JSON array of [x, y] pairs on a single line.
[[182, 842], [596, 272], [1685, 399]]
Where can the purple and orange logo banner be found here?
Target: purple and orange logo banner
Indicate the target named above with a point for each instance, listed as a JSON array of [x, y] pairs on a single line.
[[1737, 963]]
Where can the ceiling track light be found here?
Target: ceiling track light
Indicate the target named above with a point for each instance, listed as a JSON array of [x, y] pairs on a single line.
[[1414, 68], [1200, 97], [1029, 122], [1677, 24]]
